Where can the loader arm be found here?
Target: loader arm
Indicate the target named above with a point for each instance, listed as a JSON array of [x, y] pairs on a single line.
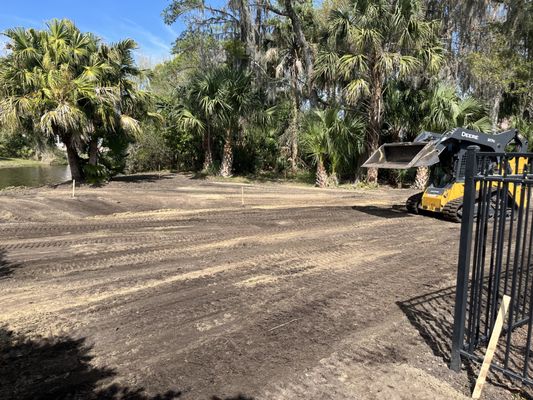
[[424, 151], [447, 154], [427, 148]]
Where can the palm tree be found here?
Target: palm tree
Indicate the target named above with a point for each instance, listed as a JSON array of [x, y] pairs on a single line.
[[242, 104], [333, 139], [445, 110], [220, 100], [54, 83], [316, 145], [204, 109], [288, 65], [381, 40], [119, 76], [44, 86]]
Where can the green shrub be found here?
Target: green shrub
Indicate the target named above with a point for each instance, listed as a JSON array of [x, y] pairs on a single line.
[[96, 174]]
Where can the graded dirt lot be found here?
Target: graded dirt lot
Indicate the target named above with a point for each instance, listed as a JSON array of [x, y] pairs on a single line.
[[151, 288]]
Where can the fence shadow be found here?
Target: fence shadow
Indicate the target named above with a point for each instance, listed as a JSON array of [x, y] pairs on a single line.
[[58, 369], [6, 267], [432, 316]]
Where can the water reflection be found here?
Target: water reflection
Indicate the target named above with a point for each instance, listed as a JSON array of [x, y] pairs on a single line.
[[34, 175]]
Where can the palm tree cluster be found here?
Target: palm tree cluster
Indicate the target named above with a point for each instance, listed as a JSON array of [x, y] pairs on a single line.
[[339, 79], [278, 86], [65, 86]]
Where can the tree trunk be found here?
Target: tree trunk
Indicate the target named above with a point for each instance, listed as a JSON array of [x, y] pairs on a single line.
[[293, 132], [302, 43], [372, 175], [495, 111], [321, 179], [333, 179], [294, 142], [372, 145], [227, 156], [374, 121], [74, 161], [208, 153], [248, 35], [422, 178], [93, 151]]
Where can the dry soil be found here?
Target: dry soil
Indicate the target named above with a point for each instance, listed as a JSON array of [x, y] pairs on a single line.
[[168, 287]]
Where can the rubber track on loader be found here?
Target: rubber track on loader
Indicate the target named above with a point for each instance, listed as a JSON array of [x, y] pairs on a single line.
[[451, 210], [413, 202]]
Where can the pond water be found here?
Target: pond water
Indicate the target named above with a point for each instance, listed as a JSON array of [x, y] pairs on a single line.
[[34, 175]]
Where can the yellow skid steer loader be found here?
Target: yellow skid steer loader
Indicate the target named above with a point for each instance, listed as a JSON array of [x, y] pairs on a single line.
[[445, 155]]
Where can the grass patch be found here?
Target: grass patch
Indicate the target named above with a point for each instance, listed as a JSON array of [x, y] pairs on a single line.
[[301, 177], [304, 178], [17, 162]]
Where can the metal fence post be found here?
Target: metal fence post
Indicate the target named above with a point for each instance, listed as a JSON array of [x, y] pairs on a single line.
[[463, 267]]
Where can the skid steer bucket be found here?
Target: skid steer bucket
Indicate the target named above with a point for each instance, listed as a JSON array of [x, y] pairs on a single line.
[[404, 155]]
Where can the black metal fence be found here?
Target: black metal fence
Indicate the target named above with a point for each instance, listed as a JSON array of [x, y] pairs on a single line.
[[495, 258]]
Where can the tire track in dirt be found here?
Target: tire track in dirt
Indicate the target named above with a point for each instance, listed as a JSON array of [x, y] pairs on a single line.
[[168, 246], [289, 262], [243, 301], [103, 294], [314, 306], [147, 253]]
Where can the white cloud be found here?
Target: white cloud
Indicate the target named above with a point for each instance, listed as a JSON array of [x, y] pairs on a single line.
[[151, 38], [20, 21], [171, 31]]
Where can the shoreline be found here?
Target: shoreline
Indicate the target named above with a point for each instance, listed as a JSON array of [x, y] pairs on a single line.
[[8, 162], [11, 162]]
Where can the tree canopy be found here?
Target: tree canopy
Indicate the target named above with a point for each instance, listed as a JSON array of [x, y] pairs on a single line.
[[274, 86]]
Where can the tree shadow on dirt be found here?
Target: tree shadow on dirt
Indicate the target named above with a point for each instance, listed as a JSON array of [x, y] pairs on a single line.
[[432, 316], [141, 178], [396, 211], [58, 369], [6, 267]]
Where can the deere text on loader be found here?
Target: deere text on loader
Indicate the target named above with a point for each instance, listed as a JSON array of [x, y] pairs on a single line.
[[445, 155]]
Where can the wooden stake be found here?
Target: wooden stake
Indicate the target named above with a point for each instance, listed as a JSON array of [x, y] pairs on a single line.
[[242, 196], [491, 348], [73, 188]]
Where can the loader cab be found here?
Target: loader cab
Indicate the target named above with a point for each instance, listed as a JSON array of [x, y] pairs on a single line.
[[452, 160], [443, 173], [440, 176]]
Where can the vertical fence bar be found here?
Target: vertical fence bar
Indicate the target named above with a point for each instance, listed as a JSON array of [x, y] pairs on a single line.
[[471, 325], [530, 231], [502, 217], [478, 264], [463, 267], [516, 267], [486, 203], [522, 294], [492, 283], [513, 205]]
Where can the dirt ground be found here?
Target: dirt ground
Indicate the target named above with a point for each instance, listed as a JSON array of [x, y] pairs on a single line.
[[168, 287]]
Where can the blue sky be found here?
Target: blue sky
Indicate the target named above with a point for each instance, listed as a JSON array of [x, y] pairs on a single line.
[[112, 20]]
